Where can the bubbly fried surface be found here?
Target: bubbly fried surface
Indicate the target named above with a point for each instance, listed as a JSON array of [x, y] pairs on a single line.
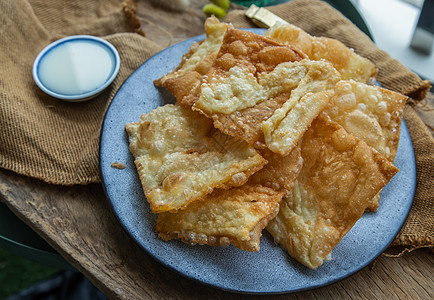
[[252, 79], [239, 214], [314, 136], [282, 89], [234, 216], [348, 63], [247, 123], [181, 158], [280, 172], [185, 80], [233, 82], [288, 123], [370, 113], [340, 175]]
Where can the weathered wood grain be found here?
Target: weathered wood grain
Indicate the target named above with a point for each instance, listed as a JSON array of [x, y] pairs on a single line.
[[78, 222]]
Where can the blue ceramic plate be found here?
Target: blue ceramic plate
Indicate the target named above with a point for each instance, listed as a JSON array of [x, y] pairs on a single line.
[[268, 271]]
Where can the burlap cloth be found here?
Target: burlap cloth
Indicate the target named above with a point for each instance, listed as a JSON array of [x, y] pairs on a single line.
[[58, 142], [46, 138]]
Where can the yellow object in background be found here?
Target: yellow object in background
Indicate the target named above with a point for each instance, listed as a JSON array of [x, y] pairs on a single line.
[[222, 3], [212, 9], [217, 8]]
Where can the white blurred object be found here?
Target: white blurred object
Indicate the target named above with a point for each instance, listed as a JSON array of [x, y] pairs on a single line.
[[422, 40], [392, 24], [172, 4]]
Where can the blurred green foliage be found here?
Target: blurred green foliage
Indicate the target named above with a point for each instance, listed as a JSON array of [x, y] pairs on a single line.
[[17, 273]]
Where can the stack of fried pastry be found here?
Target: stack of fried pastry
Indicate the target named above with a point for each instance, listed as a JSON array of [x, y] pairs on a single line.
[[279, 131]]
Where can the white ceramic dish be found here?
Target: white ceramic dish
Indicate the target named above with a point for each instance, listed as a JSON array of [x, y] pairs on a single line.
[[76, 68]]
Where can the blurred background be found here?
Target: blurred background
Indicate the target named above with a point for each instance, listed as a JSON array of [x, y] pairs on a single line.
[[399, 28]]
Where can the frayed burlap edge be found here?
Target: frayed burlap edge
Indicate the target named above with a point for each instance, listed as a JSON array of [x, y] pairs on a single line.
[[130, 10]]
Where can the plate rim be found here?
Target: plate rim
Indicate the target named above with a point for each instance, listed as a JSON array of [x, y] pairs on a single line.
[[216, 285]]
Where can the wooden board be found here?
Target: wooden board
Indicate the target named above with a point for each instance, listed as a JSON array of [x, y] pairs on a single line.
[[78, 222]]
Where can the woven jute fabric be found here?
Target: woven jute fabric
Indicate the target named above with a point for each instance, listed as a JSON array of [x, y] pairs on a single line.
[[41, 136], [320, 19], [418, 230]]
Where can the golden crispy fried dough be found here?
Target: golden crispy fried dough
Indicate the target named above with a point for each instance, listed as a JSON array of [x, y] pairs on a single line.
[[233, 82], [340, 175], [288, 123], [181, 158], [185, 80], [370, 113], [253, 77], [280, 172], [348, 63], [234, 216], [247, 123], [237, 215], [283, 88]]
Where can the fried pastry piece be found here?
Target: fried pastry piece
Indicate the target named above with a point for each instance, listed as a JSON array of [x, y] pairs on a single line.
[[288, 124], [233, 82], [340, 175], [181, 158], [348, 63], [253, 77], [370, 113], [234, 216], [185, 79], [237, 215], [280, 172]]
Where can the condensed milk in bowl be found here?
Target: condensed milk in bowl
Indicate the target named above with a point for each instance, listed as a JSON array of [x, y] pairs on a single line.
[[76, 68]]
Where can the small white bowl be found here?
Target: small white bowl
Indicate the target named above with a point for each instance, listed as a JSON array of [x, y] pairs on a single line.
[[76, 68]]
